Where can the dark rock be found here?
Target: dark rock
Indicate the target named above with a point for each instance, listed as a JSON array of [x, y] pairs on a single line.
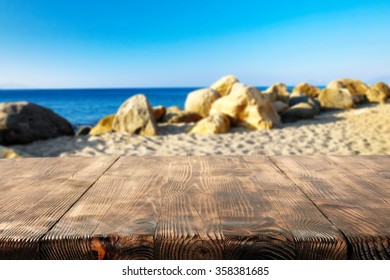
[[298, 111], [23, 122], [83, 130], [306, 99]]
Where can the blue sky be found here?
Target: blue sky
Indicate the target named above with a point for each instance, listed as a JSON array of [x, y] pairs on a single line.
[[117, 43]]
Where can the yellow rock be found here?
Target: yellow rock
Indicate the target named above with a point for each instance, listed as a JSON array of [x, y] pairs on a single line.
[[356, 88], [247, 107], [213, 124], [296, 94], [176, 115], [333, 98], [103, 126], [307, 89], [200, 101], [185, 117], [279, 92], [382, 87], [8, 153], [224, 85], [170, 113], [375, 95], [135, 116]]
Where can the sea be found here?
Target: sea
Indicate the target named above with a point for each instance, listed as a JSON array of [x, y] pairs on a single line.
[[88, 106]]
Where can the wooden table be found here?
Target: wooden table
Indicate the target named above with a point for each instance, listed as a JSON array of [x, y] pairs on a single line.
[[195, 208]]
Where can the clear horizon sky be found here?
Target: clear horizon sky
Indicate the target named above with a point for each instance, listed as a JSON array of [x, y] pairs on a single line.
[[118, 43]]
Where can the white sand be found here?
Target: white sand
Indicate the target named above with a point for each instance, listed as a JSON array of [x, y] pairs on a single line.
[[365, 131]]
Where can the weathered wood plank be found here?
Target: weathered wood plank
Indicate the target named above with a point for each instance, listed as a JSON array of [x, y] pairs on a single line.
[[31, 205], [188, 223], [314, 235], [251, 227], [115, 219], [375, 170], [195, 208], [362, 214]]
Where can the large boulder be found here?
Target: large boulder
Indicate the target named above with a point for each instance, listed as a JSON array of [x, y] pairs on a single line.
[[376, 95], [333, 98], [103, 126], [224, 85], [200, 101], [213, 124], [383, 88], [135, 116], [356, 88], [279, 92], [307, 89], [159, 113], [247, 107], [23, 122], [299, 111]]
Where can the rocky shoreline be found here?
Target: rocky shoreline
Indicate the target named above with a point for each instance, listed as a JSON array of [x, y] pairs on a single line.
[[227, 118]]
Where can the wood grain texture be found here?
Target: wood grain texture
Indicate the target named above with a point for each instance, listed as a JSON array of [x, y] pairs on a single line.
[[32, 204], [353, 203], [115, 219], [314, 235], [188, 223], [214, 207], [251, 227]]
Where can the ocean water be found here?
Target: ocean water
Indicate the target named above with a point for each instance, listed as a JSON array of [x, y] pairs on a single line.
[[88, 106]]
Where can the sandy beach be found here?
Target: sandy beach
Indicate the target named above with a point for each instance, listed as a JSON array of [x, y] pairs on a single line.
[[361, 131]]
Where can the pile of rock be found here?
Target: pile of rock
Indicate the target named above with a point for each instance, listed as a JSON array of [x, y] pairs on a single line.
[[228, 103], [347, 93], [211, 110]]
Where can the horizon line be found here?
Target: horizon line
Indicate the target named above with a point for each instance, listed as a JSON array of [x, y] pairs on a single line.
[[142, 87]]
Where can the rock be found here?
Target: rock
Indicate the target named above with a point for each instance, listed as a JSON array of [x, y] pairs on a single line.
[[103, 126], [307, 89], [296, 94], [170, 113], [23, 122], [383, 88], [213, 124], [376, 95], [159, 113], [236, 86], [333, 98], [247, 107], [298, 111], [280, 106], [8, 153], [176, 115], [306, 99], [224, 85], [83, 130], [185, 117], [279, 92], [200, 101], [135, 116], [356, 88]]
